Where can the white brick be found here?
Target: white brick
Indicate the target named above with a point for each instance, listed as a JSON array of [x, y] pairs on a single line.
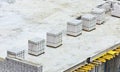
[[100, 15], [89, 22], [16, 53], [36, 46], [54, 38], [74, 27]]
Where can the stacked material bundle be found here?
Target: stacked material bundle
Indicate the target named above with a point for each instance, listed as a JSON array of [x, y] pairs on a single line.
[[106, 5], [10, 1], [74, 27], [116, 10], [16, 53], [89, 22], [100, 15], [36, 46], [54, 38]]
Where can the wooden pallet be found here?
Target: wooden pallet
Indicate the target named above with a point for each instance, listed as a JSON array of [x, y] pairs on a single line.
[[36, 55], [89, 30], [115, 16], [74, 35], [100, 23], [53, 46]]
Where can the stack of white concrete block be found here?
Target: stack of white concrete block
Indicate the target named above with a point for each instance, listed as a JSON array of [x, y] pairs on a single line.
[[54, 38], [100, 15], [89, 22], [105, 5], [116, 10], [10, 1], [36, 46], [74, 27], [16, 53]]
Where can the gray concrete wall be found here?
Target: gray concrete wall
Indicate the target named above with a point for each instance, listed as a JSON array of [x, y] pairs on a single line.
[[12, 65], [112, 65]]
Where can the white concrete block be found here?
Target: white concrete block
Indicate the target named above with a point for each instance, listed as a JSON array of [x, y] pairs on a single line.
[[54, 38], [74, 27], [100, 15], [36, 46], [16, 53], [11, 1], [116, 10], [106, 5], [89, 22]]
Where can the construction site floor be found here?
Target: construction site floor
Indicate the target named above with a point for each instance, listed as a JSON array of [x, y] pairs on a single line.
[[26, 19]]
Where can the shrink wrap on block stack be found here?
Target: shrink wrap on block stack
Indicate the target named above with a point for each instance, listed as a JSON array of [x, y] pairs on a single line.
[[106, 5], [36, 46], [16, 53], [54, 38], [100, 15], [11, 1], [74, 27], [89, 22], [116, 10]]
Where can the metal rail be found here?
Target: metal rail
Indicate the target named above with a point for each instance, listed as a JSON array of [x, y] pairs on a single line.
[[92, 58]]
